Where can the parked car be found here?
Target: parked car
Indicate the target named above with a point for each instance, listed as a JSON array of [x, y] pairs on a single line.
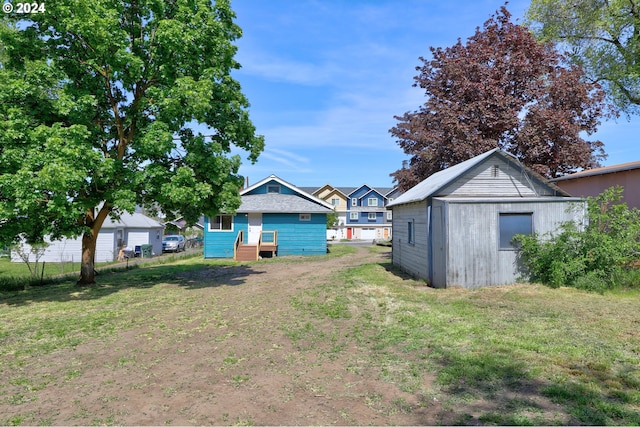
[[173, 243]]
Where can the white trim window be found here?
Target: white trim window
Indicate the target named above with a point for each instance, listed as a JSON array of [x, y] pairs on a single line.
[[335, 201], [389, 215], [372, 201], [305, 217], [354, 201], [221, 223], [273, 189], [372, 216], [353, 215]]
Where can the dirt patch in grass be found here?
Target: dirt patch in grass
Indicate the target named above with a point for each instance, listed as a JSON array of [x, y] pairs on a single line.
[[231, 349]]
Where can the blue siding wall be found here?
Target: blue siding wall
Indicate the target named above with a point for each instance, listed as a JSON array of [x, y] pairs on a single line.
[[297, 237], [263, 188], [219, 244]]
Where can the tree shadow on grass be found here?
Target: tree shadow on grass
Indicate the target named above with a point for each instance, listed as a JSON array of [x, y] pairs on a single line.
[[496, 388], [191, 276]]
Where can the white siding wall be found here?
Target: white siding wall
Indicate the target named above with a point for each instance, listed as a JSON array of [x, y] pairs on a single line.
[[412, 258], [473, 257], [495, 177]]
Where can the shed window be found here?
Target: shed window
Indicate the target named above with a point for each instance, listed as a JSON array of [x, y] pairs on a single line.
[[273, 189], [410, 232], [512, 224], [305, 217], [221, 223]]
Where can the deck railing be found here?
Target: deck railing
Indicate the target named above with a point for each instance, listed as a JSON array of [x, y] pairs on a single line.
[[239, 241]]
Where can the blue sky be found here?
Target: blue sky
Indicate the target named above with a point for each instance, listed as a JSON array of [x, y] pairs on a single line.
[[325, 78]]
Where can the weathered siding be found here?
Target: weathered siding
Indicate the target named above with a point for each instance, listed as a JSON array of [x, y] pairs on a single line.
[[495, 177], [297, 237], [412, 258], [473, 255], [219, 244]]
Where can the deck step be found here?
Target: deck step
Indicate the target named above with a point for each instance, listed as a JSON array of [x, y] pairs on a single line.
[[246, 253]]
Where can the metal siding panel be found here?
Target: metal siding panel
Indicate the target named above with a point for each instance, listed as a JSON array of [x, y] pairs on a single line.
[[510, 181], [412, 258], [474, 257]]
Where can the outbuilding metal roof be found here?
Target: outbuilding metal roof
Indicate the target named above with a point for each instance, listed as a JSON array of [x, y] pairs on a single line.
[[279, 203], [438, 180]]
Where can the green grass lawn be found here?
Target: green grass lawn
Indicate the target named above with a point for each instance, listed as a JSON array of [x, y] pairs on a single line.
[[510, 346]]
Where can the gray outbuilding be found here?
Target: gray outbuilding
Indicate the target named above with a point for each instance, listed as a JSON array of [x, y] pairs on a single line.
[[456, 227]]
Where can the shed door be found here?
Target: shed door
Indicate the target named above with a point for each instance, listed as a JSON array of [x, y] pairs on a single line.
[[255, 227]]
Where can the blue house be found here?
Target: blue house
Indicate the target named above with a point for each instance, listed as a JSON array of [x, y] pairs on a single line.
[[274, 218], [367, 215]]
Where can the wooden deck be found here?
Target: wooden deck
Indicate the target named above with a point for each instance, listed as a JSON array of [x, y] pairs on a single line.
[[252, 252]]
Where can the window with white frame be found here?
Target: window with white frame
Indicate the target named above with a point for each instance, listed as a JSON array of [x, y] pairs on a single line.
[[335, 201], [371, 216], [511, 224], [353, 215], [354, 201], [372, 201], [305, 217], [273, 188], [389, 215], [221, 223]]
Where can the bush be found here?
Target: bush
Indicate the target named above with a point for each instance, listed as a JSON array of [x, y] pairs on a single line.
[[595, 257]]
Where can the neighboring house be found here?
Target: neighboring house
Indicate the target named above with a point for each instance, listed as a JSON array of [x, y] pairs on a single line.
[[179, 226], [362, 212], [456, 227], [592, 182], [274, 218], [338, 201], [130, 230], [367, 215]]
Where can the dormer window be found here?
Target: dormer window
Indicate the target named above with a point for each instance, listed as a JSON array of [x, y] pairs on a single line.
[[273, 189]]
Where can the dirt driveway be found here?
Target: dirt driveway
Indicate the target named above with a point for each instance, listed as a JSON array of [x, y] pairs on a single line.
[[227, 354]]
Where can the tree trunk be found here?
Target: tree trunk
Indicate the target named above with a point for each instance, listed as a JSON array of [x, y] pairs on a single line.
[[87, 268], [89, 239]]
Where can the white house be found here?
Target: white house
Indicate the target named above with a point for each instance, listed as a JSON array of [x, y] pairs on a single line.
[[456, 227], [131, 230]]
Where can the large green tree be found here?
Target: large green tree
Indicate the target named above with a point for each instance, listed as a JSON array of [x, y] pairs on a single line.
[[97, 103], [502, 88], [602, 36]]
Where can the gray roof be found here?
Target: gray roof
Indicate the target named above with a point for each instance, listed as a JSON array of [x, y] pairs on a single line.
[[279, 203], [134, 220]]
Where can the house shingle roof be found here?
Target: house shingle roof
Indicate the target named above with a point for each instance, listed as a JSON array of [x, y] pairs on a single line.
[[279, 203]]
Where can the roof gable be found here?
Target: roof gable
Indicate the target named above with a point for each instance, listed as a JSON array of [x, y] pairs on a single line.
[[491, 174], [288, 194]]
